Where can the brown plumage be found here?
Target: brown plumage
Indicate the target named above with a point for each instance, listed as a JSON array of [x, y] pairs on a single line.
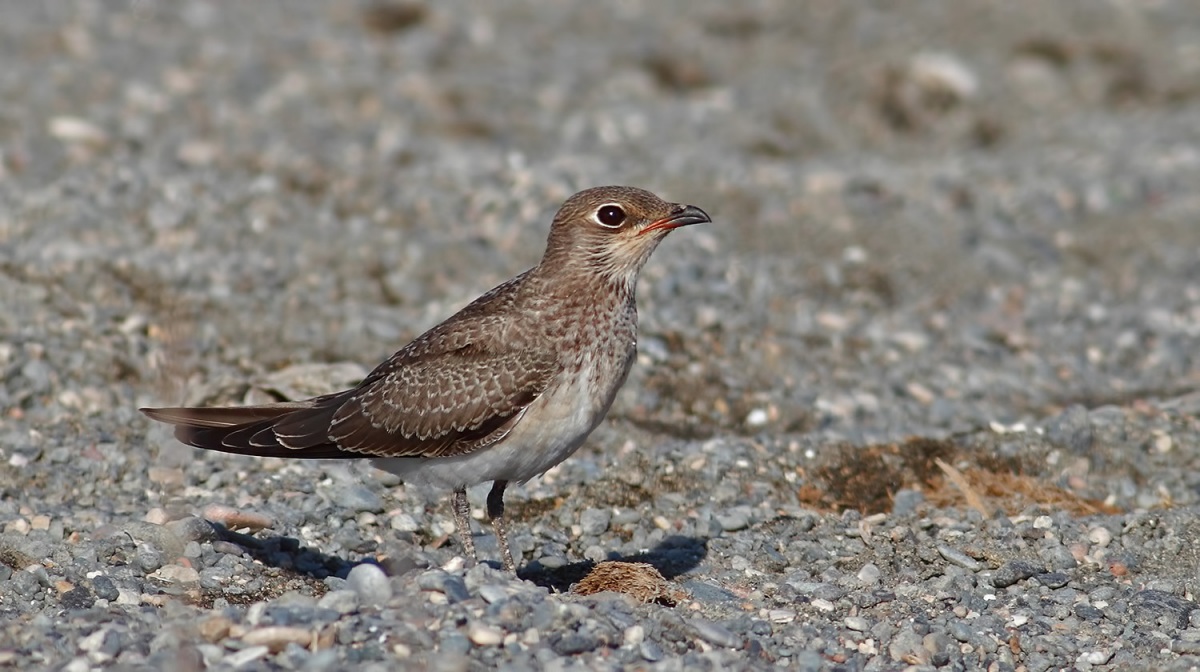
[[503, 390]]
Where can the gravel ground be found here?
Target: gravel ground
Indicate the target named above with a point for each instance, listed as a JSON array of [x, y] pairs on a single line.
[[925, 394]]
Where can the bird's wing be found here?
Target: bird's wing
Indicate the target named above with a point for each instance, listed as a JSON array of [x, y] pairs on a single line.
[[435, 407]]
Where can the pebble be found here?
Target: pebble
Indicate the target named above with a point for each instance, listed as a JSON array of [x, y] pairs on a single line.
[[484, 635], [594, 522], [1100, 536], [493, 593], [1072, 429], [236, 519], [651, 651], [158, 538], [369, 582], [869, 574], [276, 637], [176, 574], [781, 615], [215, 628], [715, 634], [104, 588], [77, 598], [735, 519], [341, 601], [959, 558], [353, 497], [1015, 570], [245, 656], [1099, 657], [453, 587], [625, 516], [405, 522], [757, 417], [634, 635], [703, 591], [1053, 579], [857, 623]]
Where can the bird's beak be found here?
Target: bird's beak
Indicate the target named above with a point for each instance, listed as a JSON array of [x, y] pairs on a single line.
[[685, 215]]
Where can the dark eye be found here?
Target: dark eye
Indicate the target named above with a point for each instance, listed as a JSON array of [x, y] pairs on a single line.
[[611, 215]]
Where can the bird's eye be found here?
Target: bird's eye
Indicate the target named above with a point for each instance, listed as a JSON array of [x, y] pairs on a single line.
[[610, 215]]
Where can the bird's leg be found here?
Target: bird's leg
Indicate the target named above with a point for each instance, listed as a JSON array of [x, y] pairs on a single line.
[[495, 511], [462, 520]]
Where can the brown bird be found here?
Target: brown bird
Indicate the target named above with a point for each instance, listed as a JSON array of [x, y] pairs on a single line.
[[503, 390]]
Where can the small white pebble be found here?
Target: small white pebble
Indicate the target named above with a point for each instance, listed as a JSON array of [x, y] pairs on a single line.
[[869, 574], [757, 417], [484, 635], [245, 656], [74, 129], [781, 615], [912, 341], [405, 522], [823, 605], [634, 635], [857, 623], [156, 516], [1043, 523], [1163, 442], [854, 254], [1100, 536]]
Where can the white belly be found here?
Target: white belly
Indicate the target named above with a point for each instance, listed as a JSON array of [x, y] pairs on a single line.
[[552, 428]]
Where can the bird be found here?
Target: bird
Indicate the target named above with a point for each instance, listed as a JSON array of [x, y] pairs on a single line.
[[503, 390]]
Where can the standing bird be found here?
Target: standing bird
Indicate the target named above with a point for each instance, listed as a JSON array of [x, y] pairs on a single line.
[[502, 391]]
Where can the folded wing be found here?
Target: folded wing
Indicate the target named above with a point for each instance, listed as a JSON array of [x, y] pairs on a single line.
[[450, 404]]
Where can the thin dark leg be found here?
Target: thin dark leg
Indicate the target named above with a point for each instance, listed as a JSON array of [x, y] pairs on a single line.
[[495, 511], [462, 520]]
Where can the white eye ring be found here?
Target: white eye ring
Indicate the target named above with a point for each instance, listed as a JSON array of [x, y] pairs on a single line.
[[610, 216]]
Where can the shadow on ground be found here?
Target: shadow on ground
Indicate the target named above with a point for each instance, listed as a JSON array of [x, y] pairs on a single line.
[[674, 556]]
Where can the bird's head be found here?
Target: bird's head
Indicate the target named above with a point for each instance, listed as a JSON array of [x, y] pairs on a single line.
[[611, 231]]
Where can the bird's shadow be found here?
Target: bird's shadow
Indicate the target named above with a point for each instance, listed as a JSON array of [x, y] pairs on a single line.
[[672, 557], [289, 554]]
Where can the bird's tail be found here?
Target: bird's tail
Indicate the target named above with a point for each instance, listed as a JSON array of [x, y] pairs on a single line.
[[242, 430]]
